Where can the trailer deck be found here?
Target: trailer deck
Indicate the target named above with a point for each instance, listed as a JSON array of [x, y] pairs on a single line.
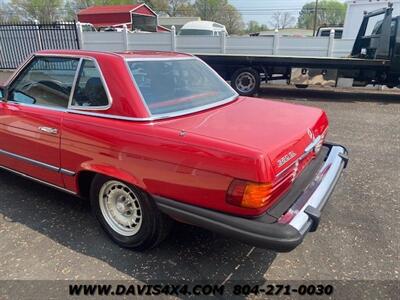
[[375, 59], [293, 61]]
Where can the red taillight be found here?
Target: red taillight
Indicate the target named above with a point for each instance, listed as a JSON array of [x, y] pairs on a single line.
[[249, 194]]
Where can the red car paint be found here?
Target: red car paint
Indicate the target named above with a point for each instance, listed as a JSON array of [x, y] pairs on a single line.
[[192, 158]]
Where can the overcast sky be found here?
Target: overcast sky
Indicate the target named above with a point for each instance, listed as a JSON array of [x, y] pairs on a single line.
[[261, 10]]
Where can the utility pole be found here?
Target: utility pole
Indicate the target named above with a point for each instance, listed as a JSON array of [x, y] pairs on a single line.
[[315, 17]]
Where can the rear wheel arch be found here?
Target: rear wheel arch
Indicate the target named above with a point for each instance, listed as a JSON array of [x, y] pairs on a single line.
[[85, 177], [84, 181], [149, 228]]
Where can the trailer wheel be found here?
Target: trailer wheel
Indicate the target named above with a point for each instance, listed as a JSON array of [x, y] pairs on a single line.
[[246, 81], [301, 86]]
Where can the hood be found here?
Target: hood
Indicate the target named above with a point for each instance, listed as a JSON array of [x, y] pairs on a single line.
[[279, 130]]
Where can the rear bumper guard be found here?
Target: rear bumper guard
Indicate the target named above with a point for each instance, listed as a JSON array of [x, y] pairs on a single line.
[[308, 206], [286, 234]]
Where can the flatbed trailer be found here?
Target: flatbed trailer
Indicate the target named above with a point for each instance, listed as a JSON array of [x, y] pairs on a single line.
[[375, 59], [293, 61]]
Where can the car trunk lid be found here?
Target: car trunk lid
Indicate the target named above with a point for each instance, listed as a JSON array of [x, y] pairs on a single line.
[[279, 130]]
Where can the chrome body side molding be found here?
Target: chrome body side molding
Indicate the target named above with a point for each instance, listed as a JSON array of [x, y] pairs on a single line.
[[38, 180], [37, 163]]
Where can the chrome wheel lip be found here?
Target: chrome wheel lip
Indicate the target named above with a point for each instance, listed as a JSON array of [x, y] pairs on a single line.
[[120, 208], [243, 88]]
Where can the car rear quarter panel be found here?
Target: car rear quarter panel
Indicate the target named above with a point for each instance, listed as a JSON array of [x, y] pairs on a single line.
[[159, 160]]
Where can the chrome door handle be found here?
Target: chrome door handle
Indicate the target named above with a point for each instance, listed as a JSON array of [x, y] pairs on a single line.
[[49, 130]]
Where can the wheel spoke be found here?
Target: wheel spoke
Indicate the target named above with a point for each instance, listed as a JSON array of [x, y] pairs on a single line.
[[121, 208], [245, 82]]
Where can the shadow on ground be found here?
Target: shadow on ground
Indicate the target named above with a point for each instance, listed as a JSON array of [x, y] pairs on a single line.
[[188, 254], [330, 94]]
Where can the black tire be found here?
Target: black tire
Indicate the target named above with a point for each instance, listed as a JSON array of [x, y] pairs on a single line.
[[301, 86], [154, 226], [246, 81]]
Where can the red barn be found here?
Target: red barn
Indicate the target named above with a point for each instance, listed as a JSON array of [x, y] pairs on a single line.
[[135, 16]]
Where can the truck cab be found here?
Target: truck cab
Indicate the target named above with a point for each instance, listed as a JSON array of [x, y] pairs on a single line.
[[325, 31], [379, 38]]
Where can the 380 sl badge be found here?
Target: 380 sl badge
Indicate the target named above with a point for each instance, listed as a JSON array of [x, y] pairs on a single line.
[[286, 158]]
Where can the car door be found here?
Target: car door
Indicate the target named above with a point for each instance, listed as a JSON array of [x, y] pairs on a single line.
[[31, 116]]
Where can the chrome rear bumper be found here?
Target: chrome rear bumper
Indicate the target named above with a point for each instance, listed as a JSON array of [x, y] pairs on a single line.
[[306, 210], [302, 217]]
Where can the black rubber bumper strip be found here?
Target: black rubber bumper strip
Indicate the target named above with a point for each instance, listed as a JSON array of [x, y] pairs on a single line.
[[275, 236], [260, 232]]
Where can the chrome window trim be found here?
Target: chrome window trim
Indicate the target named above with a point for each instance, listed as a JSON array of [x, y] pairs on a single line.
[[109, 116], [156, 117], [193, 110], [180, 113], [137, 87], [159, 58], [19, 70], [88, 111], [60, 109], [38, 180], [69, 106], [22, 68], [71, 95], [37, 163], [103, 81]]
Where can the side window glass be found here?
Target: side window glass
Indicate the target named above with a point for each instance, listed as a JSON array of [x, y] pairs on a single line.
[[46, 81], [393, 28], [89, 88]]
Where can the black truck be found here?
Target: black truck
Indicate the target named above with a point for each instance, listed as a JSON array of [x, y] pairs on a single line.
[[375, 59]]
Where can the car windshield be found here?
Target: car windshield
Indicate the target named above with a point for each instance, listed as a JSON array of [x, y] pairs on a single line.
[[179, 85], [195, 32]]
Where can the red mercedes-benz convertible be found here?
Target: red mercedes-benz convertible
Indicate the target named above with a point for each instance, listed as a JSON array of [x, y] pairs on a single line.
[[153, 136]]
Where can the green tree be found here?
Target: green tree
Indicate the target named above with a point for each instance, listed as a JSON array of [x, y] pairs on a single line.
[[330, 12], [180, 8], [3, 13], [220, 11], [210, 10], [173, 8], [254, 26], [282, 20], [41, 10], [232, 19], [158, 5]]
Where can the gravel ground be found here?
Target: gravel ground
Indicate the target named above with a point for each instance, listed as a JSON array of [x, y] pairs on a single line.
[[45, 234]]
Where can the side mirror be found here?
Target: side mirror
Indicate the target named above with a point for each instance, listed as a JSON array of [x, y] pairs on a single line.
[[2, 93], [23, 98]]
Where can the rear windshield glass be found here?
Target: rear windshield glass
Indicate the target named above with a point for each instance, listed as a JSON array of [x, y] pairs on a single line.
[[173, 86]]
